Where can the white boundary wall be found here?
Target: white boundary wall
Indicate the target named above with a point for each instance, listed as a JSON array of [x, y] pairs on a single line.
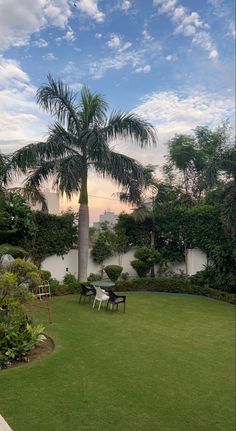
[[60, 265]]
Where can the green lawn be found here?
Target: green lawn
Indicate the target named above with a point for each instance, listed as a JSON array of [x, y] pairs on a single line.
[[167, 364]]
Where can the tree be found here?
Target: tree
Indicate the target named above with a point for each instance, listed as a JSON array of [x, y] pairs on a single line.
[[196, 159], [104, 245], [79, 141]]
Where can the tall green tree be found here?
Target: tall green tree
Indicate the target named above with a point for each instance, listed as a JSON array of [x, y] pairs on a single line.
[[78, 142]]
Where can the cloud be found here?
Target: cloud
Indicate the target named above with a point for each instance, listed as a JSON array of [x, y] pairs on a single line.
[[40, 43], [98, 35], [144, 69], [97, 69], [90, 8], [176, 112], [49, 56], [115, 42], [70, 35], [19, 20], [29, 122], [146, 35], [189, 25], [171, 57], [126, 5]]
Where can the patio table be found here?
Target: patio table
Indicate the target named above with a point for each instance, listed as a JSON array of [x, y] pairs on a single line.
[[107, 285]]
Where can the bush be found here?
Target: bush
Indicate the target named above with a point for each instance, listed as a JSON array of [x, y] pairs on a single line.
[[71, 281], [94, 277], [46, 274], [26, 272], [113, 271], [142, 268], [209, 277], [177, 284]]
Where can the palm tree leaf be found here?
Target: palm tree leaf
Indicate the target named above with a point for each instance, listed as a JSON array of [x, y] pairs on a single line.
[[69, 172], [130, 125], [93, 109], [42, 172], [57, 98], [121, 168]]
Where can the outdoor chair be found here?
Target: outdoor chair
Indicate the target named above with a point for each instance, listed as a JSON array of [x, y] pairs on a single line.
[[100, 296], [86, 292], [115, 300]]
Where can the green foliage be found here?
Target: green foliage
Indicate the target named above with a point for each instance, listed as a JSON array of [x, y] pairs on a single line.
[[8, 281], [26, 272], [176, 284], [142, 268], [94, 277], [113, 271], [58, 289], [104, 245], [61, 239], [148, 254], [47, 274], [71, 281]]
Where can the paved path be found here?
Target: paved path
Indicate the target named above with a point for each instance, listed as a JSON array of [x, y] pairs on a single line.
[[3, 425]]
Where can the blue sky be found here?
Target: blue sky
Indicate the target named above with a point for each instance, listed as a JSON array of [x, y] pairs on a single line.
[[171, 61]]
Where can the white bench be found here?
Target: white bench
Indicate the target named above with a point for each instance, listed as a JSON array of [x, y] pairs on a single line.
[[3, 425]]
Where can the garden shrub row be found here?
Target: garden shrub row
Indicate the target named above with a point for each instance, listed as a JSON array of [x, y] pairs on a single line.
[[172, 285], [176, 284]]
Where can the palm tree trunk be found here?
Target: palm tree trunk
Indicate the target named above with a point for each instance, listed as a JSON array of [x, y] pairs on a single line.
[[83, 245]]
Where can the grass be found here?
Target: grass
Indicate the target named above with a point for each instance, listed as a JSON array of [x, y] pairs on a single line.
[[165, 365]]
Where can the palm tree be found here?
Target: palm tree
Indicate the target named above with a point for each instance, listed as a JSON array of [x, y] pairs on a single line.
[[79, 141]]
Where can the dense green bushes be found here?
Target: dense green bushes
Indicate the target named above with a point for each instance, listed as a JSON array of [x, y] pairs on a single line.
[[178, 284], [113, 271], [17, 333]]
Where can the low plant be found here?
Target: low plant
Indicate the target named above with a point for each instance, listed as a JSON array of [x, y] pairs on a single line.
[[71, 281], [142, 268], [113, 271], [94, 277]]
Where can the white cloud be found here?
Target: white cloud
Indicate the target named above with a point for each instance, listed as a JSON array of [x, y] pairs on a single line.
[[19, 20], [49, 56], [144, 69], [40, 43], [98, 35], [29, 123], [146, 35], [126, 5], [114, 42], [70, 36], [171, 57], [122, 59], [181, 112], [90, 8], [188, 24], [232, 31]]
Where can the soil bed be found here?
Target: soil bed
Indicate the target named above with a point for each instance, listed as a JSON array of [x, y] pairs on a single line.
[[38, 352]]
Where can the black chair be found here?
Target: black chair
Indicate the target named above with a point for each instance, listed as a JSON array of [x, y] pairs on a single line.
[[116, 300], [86, 292]]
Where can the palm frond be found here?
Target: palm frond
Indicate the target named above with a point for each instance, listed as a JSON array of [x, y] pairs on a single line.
[[130, 125], [57, 98], [13, 250], [41, 173], [93, 109], [35, 195], [121, 168], [97, 148], [69, 172]]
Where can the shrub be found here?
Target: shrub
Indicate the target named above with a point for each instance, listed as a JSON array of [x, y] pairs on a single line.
[[113, 271], [177, 284], [142, 268], [25, 272], [71, 281], [94, 277], [46, 274]]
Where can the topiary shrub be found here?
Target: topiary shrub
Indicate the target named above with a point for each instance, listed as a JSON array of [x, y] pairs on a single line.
[[113, 271], [70, 281], [94, 277], [142, 268]]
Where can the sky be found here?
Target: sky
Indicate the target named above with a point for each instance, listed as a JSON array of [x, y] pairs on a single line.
[[170, 61]]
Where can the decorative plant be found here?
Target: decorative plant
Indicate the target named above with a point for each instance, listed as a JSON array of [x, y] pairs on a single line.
[[113, 271]]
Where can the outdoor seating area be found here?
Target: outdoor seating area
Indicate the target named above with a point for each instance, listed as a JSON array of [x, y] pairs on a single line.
[[102, 292]]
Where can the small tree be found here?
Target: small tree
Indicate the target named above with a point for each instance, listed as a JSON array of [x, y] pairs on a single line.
[[113, 271], [103, 246]]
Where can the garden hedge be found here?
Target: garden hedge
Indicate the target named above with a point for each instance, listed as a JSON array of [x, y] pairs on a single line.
[[160, 284]]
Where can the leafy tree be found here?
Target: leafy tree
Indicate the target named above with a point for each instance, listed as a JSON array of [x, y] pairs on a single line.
[[79, 141], [196, 159], [53, 235], [104, 245]]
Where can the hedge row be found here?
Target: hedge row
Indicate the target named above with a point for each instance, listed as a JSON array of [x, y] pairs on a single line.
[[160, 284], [172, 285]]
